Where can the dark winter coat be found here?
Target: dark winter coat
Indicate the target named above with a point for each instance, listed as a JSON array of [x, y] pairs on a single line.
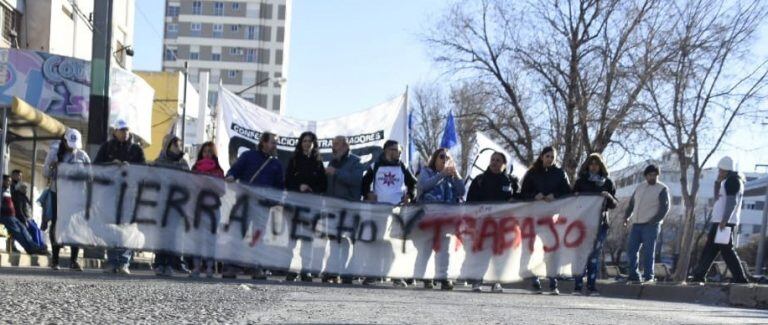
[[490, 187], [303, 169], [547, 181]]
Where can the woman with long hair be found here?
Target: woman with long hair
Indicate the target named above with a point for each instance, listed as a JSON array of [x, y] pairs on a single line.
[[305, 173], [544, 181], [593, 178], [69, 151], [207, 163], [438, 183]]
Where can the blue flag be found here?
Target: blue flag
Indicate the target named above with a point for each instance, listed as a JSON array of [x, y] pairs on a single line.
[[450, 138]]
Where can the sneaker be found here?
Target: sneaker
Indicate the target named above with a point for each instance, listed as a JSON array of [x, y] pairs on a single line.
[[476, 287], [649, 281], [497, 288], [306, 277], [429, 284], [554, 292], [369, 281], [258, 274], [400, 283], [446, 285], [123, 270], [536, 286], [55, 267], [632, 282], [76, 267]]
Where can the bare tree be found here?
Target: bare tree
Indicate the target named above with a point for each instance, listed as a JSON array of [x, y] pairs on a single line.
[[569, 74], [468, 101], [428, 106], [707, 85]]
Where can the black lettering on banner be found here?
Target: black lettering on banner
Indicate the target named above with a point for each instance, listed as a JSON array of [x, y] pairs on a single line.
[[342, 228], [140, 201], [298, 220], [239, 213], [209, 209], [177, 197], [407, 227], [84, 176], [367, 224], [323, 216]]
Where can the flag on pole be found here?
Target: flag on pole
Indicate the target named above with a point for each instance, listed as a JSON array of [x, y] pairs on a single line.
[[450, 138]]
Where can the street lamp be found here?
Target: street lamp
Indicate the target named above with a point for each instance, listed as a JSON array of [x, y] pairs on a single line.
[[259, 83]]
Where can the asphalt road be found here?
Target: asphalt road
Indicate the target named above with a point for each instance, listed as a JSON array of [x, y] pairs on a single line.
[[36, 296]]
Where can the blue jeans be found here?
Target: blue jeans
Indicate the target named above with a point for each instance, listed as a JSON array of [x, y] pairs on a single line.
[[119, 257], [593, 264], [642, 235], [20, 233]]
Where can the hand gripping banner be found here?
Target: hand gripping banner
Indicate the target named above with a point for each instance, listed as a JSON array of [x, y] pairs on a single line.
[[156, 209]]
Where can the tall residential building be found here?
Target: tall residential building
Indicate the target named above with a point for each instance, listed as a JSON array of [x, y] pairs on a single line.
[[243, 44], [63, 27]]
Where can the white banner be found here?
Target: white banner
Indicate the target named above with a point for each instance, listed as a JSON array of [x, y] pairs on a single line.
[[240, 123], [152, 208]]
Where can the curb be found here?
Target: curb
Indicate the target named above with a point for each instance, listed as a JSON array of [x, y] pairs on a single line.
[[734, 295], [26, 260]]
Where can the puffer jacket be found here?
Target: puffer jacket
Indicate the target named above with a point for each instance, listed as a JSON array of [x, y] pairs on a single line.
[[168, 159]]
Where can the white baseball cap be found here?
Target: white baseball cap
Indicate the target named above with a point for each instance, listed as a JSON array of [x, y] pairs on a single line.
[[74, 138], [121, 124], [727, 163]]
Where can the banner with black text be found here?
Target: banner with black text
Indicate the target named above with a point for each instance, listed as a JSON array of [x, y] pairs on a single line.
[[157, 209]]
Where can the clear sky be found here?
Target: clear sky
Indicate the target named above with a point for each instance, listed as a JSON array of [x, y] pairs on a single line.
[[348, 55]]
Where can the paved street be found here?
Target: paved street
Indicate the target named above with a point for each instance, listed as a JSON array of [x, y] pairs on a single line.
[[43, 296]]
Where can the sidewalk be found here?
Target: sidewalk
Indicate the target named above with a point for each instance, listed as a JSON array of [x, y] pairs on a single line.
[[736, 295]]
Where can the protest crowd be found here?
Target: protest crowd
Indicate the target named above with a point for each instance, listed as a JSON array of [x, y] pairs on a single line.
[[387, 180]]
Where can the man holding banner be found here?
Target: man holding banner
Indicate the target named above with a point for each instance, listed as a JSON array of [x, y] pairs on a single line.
[[257, 168], [389, 180]]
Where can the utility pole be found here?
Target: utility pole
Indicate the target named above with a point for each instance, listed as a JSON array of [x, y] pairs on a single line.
[[184, 108], [101, 57]]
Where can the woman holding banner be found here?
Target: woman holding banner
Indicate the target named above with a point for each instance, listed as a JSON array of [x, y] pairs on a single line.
[[172, 156], [305, 173], [68, 151], [496, 184], [544, 181], [593, 178], [207, 163], [438, 183]]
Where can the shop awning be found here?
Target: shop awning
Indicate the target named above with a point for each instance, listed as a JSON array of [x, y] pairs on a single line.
[[26, 122]]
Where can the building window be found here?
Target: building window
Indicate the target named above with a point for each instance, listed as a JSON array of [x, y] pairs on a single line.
[[276, 102], [197, 8], [170, 54], [218, 9], [173, 11], [232, 74], [280, 34], [213, 97], [172, 29], [195, 29], [218, 30], [281, 12], [279, 57], [216, 57], [250, 33], [250, 55], [235, 51], [265, 11], [194, 55], [260, 100], [234, 28], [235, 6], [262, 75]]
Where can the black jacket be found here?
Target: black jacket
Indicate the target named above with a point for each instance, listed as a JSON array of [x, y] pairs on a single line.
[[20, 201], [550, 180], [490, 187], [305, 170], [122, 151], [583, 185]]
